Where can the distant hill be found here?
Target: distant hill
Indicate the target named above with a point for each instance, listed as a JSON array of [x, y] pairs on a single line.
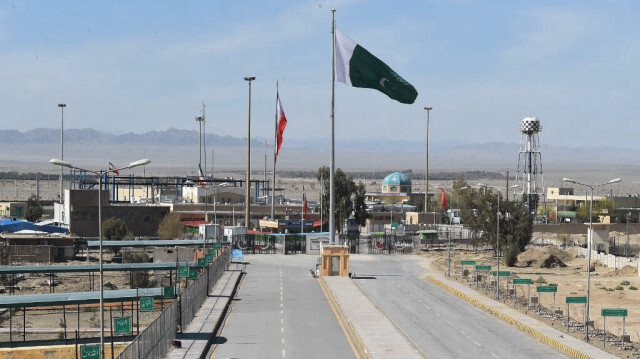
[[176, 151]]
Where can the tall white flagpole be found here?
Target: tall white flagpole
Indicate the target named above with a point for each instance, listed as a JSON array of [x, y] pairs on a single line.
[[275, 148], [332, 217]]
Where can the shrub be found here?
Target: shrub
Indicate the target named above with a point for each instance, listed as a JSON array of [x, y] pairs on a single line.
[[633, 288], [619, 287], [540, 280], [625, 282]]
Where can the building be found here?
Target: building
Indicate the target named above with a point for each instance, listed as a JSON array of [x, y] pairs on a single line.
[[79, 213], [18, 248], [13, 209]]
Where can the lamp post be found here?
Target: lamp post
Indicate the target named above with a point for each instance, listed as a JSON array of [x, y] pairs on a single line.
[[426, 172], [62, 106], [100, 173], [589, 240], [497, 239], [248, 183]]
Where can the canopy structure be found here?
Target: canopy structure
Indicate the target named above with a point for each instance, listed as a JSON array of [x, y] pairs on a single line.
[[43, 300], [148, 243], [125, 267]]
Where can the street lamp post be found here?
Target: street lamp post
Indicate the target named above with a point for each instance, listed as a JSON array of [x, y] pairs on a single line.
[[248, 183], [62, 106], [589, 240], [100, 173], [497, 240], [426, 172]]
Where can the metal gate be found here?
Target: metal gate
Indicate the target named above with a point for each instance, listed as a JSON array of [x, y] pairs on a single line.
[[255, 243], [383, 243]]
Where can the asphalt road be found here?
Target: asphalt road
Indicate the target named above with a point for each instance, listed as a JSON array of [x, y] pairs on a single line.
[[282, 312], [440, 324]]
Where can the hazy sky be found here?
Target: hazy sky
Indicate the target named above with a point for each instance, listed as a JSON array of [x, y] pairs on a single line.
[[137, 66]]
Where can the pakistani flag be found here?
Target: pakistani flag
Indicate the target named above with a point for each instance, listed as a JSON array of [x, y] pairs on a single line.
[[357, 67]]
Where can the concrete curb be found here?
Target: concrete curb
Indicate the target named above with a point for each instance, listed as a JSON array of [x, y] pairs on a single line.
[[343, 318], [540, 336]]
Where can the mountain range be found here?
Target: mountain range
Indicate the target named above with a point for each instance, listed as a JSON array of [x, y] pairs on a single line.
[[176, 151]]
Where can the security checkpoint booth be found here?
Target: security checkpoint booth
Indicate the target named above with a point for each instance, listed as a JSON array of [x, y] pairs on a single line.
[[335, 260]]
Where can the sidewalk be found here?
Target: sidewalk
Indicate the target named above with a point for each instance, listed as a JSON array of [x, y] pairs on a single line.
[[379, 336], [195, 338], [555, 338]]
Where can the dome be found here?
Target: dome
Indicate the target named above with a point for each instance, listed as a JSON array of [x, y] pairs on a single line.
[[397, 178]]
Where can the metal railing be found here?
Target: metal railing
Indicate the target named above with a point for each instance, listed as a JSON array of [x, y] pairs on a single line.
[[155, 341]]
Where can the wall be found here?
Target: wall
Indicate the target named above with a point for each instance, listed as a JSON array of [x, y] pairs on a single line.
[[53, 352], [609, 260], [161, 254], [581, 228]]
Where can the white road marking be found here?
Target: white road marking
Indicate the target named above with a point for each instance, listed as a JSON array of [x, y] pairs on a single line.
[[282, 340], [282, 329], [281, 320], [463, 333], [283, 353], [476, 343], [281, 305], [437, 314], [495, 356], [281, 311]]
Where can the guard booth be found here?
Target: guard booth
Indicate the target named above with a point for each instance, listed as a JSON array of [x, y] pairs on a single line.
[[335, 260]]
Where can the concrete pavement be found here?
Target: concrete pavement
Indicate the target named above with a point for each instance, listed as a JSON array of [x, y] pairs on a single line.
[[377, 333], [555, 338]]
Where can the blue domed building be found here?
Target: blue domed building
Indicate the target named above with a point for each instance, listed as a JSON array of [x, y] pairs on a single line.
[[396, 182]]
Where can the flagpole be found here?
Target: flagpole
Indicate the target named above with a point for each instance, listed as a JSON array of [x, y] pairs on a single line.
[[303, 210], [275, 148], [332, 232]]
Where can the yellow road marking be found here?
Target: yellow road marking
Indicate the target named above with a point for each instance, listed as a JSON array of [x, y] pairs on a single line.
[[335, 312]]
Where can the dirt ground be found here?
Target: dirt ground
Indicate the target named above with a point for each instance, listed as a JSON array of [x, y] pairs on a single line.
[[552, 265]]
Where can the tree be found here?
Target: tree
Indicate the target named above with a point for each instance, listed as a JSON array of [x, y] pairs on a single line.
[[33, 210], [170, 227], [601, 207], [114, 229], [349, 197], [479, 211]]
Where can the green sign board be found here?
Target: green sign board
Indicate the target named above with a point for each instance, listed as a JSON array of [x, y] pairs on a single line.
[[208, 258], [547, 289], [217, 246], [468, 263], [614, 312], [90, 352], [122, 325], [576, 300], [183, 272], [481, 267], [502, 273], [168, 292], [193, 273], [211, 251], [146, 304], [201, 262], [521, 280]]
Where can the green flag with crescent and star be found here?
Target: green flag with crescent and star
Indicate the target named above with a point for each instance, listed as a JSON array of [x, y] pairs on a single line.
[[357, 67]]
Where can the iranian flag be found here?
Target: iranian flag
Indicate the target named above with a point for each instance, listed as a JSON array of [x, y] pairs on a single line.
[[200, 176], [282, 123], [443, 199], [113, 169], [305, 204], [357, 67]]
